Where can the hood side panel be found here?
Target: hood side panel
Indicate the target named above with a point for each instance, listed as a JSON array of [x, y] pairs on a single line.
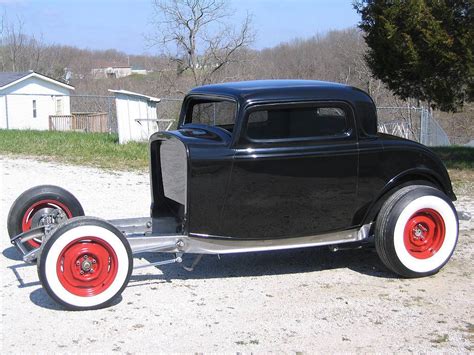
[[174, 170], [169, 179]]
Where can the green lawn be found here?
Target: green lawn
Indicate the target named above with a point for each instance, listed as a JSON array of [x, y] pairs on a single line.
[[456, 157], [94, 149]]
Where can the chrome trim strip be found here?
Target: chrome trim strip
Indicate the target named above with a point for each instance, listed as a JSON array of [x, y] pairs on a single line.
[[205, 244]]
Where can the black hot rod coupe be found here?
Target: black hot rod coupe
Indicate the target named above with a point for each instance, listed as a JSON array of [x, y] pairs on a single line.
[[252, 166]]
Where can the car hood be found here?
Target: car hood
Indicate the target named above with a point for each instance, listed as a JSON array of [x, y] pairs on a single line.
[[196, 134]]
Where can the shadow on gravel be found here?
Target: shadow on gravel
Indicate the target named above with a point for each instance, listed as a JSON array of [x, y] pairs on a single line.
[[40, 298], [21, 282], [364, 261], [12, 254]]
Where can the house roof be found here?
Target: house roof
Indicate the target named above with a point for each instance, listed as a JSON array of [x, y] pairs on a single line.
[[8, 79], [135, 94]]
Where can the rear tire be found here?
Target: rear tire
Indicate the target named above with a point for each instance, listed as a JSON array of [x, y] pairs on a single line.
[[85, 264], [416, 231], [33, 205]]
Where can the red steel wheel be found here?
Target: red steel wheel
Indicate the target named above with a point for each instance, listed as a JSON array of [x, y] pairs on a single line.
[[87, 266], [424, 233], [40, 210]]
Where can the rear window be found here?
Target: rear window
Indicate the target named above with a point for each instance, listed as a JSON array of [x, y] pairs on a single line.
[[297, 122], [213, 113]]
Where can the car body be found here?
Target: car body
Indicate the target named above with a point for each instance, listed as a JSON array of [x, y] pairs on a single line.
[[234, 186]]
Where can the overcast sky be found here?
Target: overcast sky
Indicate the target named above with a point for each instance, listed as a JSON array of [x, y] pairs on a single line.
[[123, 24]]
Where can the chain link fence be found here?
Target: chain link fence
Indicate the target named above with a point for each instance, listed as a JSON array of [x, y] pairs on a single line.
[[415, 123], [168, 110], [91, 107]]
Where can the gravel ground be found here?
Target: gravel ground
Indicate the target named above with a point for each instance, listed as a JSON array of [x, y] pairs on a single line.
[[290, 301]]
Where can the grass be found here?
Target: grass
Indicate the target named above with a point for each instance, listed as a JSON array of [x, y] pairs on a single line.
[[94, 149], [456, 157], [460, 164]]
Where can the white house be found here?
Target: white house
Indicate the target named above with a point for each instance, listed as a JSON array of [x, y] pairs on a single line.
[[27, 100]]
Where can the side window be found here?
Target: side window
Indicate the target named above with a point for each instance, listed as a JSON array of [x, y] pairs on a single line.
[[34, 108], [297, 122]]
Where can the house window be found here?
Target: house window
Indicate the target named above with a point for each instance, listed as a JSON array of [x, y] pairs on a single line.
[[59, 106], [34, 108]]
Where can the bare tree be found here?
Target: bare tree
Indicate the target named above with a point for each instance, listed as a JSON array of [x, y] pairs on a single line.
[[200, 35], [15, 42], [18, 51]]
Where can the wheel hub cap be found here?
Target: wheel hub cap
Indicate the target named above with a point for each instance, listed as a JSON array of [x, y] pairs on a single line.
[[86, 266]]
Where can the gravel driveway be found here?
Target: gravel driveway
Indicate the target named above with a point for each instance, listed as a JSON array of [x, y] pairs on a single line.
[[288, 301]]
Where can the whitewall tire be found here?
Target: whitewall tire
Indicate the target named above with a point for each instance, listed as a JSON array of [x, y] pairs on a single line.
[[416, 231], [85, 264]]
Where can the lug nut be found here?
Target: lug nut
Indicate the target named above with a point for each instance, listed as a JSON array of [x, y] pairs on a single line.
[[93, 261], [78, 263], [85, 256], [82, 272]]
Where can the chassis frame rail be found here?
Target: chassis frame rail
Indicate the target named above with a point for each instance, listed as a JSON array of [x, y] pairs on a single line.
[[138, 232]]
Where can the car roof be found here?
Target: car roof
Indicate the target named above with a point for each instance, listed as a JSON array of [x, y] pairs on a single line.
[[266, 90]]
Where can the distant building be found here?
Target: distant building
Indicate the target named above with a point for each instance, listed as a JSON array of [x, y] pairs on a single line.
[[27, 99], [117, 71], [139, 70]]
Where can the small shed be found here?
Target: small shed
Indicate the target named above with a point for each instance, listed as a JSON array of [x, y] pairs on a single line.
[[136, 115], [27, 99]]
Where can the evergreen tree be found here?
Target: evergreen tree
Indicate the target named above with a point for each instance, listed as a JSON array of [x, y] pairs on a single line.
[[422, 49]]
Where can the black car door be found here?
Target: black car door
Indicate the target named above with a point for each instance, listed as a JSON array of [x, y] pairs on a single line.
[[294, 172]]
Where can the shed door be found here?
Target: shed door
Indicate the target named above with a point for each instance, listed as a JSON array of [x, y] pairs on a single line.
[[294, 172]]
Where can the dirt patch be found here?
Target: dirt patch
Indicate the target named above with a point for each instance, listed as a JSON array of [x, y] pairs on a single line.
[[288, 301]]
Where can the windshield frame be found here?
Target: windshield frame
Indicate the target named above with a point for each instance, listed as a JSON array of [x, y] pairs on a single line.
[[189, 101]]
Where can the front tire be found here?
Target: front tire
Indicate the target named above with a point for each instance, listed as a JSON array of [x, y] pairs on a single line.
[[416, 231], [85, 264], [36, 206]]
